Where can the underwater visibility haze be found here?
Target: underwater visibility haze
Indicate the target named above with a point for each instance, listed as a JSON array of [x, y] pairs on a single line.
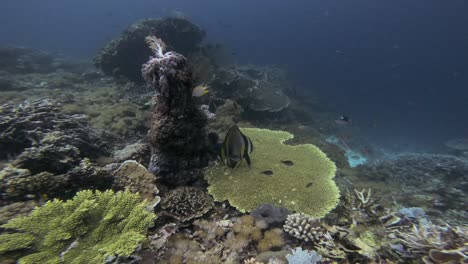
[[234, 131]]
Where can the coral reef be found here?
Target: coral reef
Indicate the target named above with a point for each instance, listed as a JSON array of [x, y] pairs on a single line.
[[24, 60], [431, 181], [137, 151], [125, 55], [434, 243], [223, 241], [177, 136], [33, 124], [186, 203], [305, 228], [111, 108], [306, 186], [270, 214], [134, 177], [254, 88], [303, 256], [226, 115], [48, 152], [86, 229]]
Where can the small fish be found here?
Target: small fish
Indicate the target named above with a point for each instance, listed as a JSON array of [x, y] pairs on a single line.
[[287, 162], [343, 120], [200, 90], [309, 184], [267, 172], [236, 147]]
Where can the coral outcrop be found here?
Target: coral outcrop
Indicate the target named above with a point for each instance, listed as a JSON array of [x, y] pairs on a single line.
[[177, 135], [186, 203], [299, 178], [125, 55], [24, 60], [49, 152], [86, 229], [254, 88], [134, 177]]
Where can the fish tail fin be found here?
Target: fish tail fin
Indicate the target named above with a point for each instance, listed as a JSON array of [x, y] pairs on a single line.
[[247, 158]]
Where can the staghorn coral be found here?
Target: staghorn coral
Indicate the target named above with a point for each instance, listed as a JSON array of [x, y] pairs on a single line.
[[177, 136], [86, 229], [307, 186], [186, 203], [434, 243], [124, 56]]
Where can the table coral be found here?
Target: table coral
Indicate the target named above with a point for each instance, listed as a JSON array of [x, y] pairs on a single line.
[[86, 229], [307, 186]]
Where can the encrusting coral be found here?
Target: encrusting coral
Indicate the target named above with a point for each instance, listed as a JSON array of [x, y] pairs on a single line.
[[299, 178], [134, 177], [177, 135], [85, 229], [186, 203]]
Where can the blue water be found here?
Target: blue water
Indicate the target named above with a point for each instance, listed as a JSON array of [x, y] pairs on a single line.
[[399, 68]]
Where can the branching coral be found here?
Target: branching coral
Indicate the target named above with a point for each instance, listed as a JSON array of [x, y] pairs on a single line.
[[306, 228], [436, 242], [301, 179], [86, 229]]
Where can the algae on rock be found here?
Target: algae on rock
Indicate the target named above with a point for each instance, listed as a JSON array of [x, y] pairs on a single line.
[[301, 179], [86, 229]]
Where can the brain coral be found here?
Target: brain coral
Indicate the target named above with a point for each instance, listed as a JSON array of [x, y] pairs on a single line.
[[299, 177]]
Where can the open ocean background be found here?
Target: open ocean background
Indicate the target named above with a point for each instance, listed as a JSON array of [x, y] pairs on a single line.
[[398, 68]]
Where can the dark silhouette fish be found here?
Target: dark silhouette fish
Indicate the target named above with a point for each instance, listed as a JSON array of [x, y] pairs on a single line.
[[236, 147], [267, 172], [287, 162]]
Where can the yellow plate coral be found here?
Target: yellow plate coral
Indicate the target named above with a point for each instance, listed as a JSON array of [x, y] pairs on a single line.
[[298, 177]]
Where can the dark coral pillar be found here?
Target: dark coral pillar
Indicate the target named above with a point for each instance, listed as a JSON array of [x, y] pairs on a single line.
[[177, 135]]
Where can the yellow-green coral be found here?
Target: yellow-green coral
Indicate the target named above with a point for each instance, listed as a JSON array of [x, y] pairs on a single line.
[[306, 186], [86, 229]]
